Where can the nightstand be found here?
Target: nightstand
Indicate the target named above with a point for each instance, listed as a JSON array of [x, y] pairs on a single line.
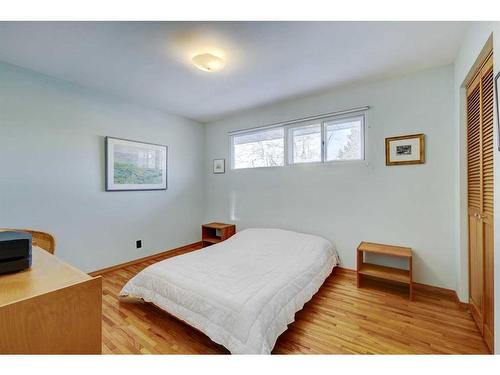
[[216, 232], [382, 272]]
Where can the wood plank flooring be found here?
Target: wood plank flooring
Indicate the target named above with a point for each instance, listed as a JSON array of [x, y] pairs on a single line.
[[376, 319]]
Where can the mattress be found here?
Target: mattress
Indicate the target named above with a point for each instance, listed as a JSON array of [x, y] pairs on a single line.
[[242, 292]]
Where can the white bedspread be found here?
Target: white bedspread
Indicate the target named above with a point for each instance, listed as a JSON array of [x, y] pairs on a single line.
[[243, 292]]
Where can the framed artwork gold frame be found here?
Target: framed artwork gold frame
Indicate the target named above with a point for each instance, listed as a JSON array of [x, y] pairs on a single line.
[[399, 153]]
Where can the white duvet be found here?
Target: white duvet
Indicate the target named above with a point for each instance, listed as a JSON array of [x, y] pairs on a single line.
[[242, 292]]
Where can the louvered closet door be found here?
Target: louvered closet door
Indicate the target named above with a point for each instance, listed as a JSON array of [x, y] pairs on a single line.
[[476, 265], [480, 198], [487, 211]]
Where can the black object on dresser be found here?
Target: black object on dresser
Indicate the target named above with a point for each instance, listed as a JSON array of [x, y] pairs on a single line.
[[15, 251]]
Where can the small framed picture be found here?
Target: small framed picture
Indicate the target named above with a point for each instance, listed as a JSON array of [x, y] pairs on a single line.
[[132, 165], [407, 149], [219, 166]]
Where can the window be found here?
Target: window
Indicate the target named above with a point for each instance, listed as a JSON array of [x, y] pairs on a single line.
[[344, 139], [261, 148], [330, 139], [305, 141]]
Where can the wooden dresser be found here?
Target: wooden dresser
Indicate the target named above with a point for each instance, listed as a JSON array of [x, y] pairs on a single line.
[[52, 308]]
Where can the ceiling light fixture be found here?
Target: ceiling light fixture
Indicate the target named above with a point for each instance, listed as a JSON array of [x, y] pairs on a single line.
[[208, 62]]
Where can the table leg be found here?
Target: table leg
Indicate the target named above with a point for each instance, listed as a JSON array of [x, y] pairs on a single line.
[[359, 260]]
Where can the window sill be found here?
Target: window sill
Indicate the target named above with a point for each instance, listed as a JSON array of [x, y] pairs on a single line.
[[332, 163]]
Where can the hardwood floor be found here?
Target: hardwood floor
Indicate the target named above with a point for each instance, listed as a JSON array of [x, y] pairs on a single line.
[[340, 318]]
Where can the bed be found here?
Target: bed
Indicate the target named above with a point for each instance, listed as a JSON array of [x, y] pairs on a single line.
[[243, 292]]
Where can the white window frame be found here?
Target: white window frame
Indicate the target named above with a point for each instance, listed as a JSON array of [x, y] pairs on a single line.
[[253, 131], [288, 142], [340, 119]]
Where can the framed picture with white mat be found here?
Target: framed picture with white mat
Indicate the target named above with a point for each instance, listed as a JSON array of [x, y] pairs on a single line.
[[406, 149]]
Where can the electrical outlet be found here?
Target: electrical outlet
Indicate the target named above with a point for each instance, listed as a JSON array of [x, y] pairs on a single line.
[[138, 244]]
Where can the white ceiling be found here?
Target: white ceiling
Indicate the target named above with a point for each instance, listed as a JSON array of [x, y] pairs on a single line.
[[149, 62]]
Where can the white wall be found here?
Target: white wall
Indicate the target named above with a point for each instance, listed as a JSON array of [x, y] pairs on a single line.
[[52, 171], [472, 46], [406, 205]]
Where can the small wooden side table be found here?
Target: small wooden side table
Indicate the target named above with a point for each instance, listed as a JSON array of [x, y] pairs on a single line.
[[382, 272], [216, 232]]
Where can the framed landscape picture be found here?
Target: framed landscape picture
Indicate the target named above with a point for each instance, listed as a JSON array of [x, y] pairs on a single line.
[[132, 165], [407, 149]]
